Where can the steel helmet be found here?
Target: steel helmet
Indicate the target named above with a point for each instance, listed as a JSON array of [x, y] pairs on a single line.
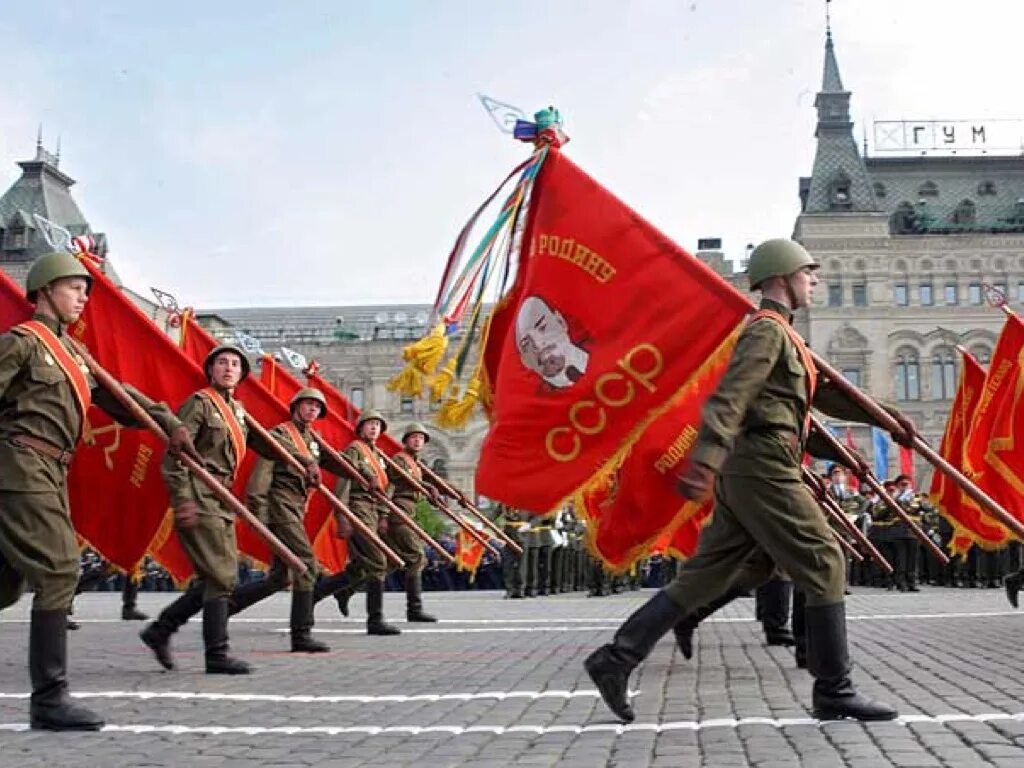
[[416, 428], [221, 349], [53, 266], [777, 258], [309, 393], [370, 416]]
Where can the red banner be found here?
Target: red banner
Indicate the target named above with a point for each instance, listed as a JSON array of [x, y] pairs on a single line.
[[590, 346], [637, 510], [969, 524], [852, 479], [991, 457], [117, 494], [14, 307], [468, 554]]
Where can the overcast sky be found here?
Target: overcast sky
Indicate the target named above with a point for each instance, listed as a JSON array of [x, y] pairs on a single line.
[[286, 153]]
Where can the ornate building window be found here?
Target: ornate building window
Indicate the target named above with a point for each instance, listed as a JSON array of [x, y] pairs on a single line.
[[15, 238], [928, 189], [839, 198], [356, 395], [982, 354], [903, 219], [987, 188], [880, 190], [900, 294], [405, 405], [965, 214], [927, 297], [835, 294], [852, 375], [974, 294], [1020, 292], [908, 375], [951, 294], [943, 374], [860, 294]]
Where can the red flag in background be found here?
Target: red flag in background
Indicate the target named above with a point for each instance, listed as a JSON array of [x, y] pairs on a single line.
[[468, 554], [117, 493], [589, 347], [853, 480], [14, 307], [969, 524], [992, 458], [341, 431]]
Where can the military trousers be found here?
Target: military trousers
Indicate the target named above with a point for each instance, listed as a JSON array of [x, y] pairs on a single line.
[[772, 603], [38, 546], [213, 552], [293, 535], [365, 561], [758, 524], [403, 541]]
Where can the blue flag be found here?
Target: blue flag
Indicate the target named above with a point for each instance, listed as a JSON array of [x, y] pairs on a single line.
[[881, 440]]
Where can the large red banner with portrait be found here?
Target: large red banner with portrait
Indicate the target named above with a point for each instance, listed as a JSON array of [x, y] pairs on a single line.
[[608, 320]]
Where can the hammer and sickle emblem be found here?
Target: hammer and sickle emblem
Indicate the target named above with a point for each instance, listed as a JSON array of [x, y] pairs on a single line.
[[90, 435]]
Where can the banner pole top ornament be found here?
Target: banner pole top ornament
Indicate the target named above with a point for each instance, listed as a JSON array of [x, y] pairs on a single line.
[[546, 128]]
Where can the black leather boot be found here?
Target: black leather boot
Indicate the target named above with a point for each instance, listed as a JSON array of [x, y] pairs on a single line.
[[302, 625], [215, 640], [610, 665], [158, 634], [414, 598], [335, 584], [799, 622], [129, 608], [375, 624], [1012, 584], [249, 594], [686, 626], [50, 708], [828, 660]]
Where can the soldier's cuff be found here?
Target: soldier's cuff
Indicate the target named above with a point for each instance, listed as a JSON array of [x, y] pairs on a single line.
[[711, 456]]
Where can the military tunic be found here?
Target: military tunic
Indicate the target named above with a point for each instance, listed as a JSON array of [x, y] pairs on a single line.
[[366, 562], [37, 539], [210, 544], [278, 494], [513, 565], [400, 537], [752, 436]]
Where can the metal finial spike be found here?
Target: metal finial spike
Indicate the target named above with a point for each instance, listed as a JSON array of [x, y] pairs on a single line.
[[828, 19], [39, 137], [57, 156]]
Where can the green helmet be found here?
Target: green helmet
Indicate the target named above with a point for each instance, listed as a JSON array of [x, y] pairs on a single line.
[[416, 428], [309, 393], [370, 416], [53, 266], [777, 258], [220, 349]]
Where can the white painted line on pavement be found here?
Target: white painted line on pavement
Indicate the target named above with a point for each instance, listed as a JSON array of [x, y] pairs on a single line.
[[308, 699], [539, 730]]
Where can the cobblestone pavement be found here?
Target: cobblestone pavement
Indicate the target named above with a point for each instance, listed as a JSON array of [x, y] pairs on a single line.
[[500, 682]]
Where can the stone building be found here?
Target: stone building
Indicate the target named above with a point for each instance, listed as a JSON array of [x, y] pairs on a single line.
[[909, 246]]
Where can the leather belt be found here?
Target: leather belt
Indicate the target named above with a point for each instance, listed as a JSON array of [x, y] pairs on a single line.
[[42, 446]]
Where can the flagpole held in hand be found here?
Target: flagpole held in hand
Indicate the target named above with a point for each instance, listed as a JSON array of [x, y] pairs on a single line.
[[109, 383], [333, 500]]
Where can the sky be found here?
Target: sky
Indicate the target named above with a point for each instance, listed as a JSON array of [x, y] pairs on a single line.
[[301, 153]]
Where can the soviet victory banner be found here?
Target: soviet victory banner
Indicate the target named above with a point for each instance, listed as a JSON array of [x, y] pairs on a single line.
[[607, 322]]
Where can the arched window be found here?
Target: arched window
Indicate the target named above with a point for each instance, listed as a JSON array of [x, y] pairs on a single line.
[[908, 375], [839, 198], [880, 190], [928, 189], [903, 219], [943, 374], [982, 353], [965, 214]]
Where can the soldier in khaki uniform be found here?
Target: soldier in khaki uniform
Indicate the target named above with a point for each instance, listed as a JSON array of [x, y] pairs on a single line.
[[206, 527], [367, 565], [400, 537], [748, 450], [278, 494], [45, 391]]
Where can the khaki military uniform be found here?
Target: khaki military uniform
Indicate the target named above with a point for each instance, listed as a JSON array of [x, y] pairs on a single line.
[[752, 435], [37, 401], [365, 561], [278, 495], [513, 565], [400, 537], [210, 545]]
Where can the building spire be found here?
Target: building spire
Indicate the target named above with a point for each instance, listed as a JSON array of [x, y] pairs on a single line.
[[830, 81], [39, 139]]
